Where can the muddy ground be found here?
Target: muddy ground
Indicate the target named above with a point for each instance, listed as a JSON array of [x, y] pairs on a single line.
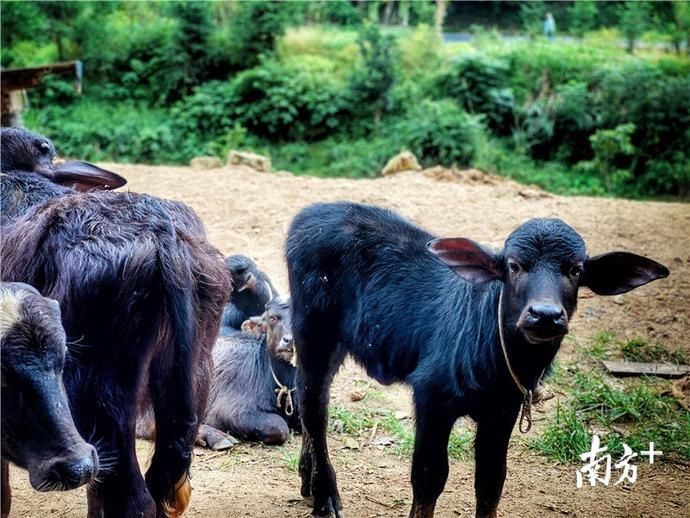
[[248, 212]]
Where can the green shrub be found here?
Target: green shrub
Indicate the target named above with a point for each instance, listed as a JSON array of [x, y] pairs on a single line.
[[208, 112], [98, 131], [289, 101], [654, 102], [338, 48], [574, 121], [255, 27], [608, 146], [583, 15], [439, 132], [372, 81], [480, 85]]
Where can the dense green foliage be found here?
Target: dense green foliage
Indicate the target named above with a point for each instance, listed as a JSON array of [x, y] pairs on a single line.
[[165, 82]]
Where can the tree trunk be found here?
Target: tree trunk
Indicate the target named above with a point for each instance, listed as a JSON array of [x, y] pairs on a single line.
[[441, 6]]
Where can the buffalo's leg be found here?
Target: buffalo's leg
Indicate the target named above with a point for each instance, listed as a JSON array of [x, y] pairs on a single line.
[[6, 491], [210, 437], [121, 492], [318, 362], [173, 395], [490, 451], [430, 457], [305, 465]]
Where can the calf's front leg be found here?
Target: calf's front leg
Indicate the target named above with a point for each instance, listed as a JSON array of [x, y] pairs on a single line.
[[430, 458], [490, 451]]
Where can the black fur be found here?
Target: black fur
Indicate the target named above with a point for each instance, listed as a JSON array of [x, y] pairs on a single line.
[[141, 292], [365, 282]]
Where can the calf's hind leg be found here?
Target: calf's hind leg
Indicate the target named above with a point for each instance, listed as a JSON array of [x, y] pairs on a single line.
[[173, 395]]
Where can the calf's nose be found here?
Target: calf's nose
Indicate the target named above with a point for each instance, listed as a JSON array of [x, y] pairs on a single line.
[[546, 314], [75, 470]]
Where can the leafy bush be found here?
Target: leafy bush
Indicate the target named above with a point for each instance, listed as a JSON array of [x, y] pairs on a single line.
[[339, 48], [255, 26], [609, 145], [98, 131], [288, 101], [208, 112], [439, 132], [371, 83], [480, 85], [583, 15], [420, 52]]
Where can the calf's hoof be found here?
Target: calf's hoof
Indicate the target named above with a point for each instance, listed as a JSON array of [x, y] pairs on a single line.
[[176, 506], [332, 507]]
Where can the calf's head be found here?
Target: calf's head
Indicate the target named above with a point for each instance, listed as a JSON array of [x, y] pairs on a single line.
[[276, 322], [542, 266], [24, 151], [38, 432]]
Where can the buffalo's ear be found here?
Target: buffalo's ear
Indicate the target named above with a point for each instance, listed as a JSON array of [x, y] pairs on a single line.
[[619, 272], [468, 259], [82, 176], [255, 325]]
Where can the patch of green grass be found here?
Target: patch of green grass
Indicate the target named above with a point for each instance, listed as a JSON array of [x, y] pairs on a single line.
[[361, 424], [600, 346], [634, 412], [565, 438], [639, 350], [290, 459]]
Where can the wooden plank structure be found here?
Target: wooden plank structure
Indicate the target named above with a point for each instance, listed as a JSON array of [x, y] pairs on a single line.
[[662, 370], [15, 81]]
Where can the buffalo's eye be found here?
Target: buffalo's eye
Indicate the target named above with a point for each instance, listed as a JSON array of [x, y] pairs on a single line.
[[575, 271], [44, 147], [273, 319], [514, 266]]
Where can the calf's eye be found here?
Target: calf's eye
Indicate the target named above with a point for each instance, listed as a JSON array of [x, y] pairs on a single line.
[[514, 267], [575, 271]]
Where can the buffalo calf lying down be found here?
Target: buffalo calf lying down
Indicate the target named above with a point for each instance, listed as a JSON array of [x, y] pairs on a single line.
[[38, 433], [252, 290], [252, 392], [141, 292], [446, 316]]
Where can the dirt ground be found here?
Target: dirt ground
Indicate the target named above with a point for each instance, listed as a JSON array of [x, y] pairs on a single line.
[[248, 212]]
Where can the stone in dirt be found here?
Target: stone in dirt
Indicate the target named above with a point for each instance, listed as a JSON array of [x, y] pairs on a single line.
[[205, 162], [252, 160], [404, 161]]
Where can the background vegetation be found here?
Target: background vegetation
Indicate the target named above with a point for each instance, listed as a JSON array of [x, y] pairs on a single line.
[[337, 88]]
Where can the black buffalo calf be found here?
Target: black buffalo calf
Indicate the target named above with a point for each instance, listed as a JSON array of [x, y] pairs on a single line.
[[252, 392], [471, 331], [38, 432]]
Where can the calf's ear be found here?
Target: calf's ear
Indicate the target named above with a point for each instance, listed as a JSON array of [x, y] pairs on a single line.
[[254, 325], [468, 259], [82, 176], [619, 272]]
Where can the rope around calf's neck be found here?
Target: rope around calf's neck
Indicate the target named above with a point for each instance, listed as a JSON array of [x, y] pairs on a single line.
[[526, 411], [282, 392]]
